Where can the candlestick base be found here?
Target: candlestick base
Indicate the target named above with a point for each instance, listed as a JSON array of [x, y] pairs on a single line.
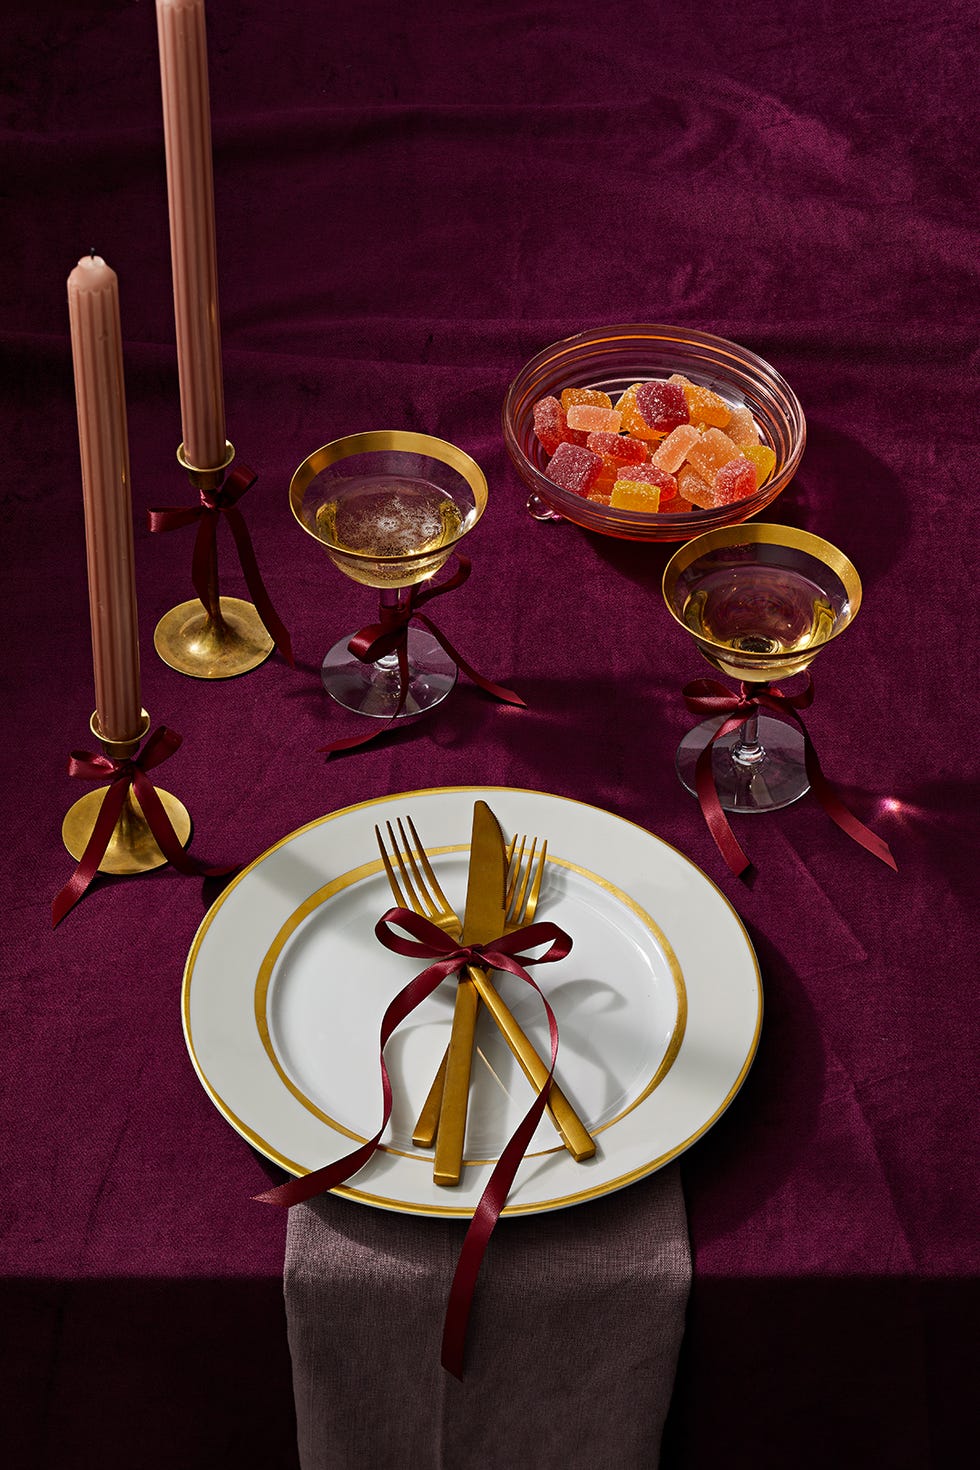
[[132, 847], [192, 642]]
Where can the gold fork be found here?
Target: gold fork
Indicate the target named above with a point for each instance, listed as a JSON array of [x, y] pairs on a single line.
[[415, 886]]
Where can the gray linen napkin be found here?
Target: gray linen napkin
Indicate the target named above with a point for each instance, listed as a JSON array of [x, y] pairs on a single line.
[[572, 1348]]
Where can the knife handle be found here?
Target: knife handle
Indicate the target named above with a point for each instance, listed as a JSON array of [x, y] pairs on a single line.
[[456, 1091], [575, 1136]]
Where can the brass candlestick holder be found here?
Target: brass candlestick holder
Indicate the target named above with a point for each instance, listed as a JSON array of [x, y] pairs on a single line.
[[223, 636], [132, 848]]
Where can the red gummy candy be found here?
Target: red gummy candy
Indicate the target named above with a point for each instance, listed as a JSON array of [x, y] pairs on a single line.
[[574, 468], [651, 474], [615, 449], [662, 406], [736, 480], [551, 427]]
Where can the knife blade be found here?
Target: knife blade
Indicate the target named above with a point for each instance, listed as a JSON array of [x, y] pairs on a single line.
[[483, 919]]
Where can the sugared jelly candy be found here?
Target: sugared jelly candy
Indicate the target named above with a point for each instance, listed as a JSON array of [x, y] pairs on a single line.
[[574, 468], [653, 475], [741, 427], [572, 396], [675, 507], [712, 451], [763, 458], [633, 421], [694, 488], [599, 497], [675, 448], [551, 426], [662, 406], [706, 407], [592, 416], [736, 480], [616, 449], [635, 495]]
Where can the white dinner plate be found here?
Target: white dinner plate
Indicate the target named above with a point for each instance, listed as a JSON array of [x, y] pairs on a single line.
[[659, 1004]]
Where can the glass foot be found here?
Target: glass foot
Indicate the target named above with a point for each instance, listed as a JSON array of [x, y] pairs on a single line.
[[773, 775], [538, 511], [374, 689]]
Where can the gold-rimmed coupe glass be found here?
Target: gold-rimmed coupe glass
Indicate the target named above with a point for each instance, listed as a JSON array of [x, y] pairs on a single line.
[[389, 507], [760, 602]]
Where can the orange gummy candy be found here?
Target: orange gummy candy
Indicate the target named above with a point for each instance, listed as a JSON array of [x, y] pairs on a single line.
[[741, 427], [712, 451], [675, 448], [706, 407], [572, 396], [694, 487], [593, 417]]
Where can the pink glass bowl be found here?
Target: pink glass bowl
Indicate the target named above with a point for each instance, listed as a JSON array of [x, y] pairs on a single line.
[[611, 358]]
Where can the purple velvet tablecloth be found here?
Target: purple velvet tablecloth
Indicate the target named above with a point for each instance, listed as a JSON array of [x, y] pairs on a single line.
[[410, 203]]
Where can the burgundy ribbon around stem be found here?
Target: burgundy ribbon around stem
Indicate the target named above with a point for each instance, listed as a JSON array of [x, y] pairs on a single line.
[[389, 635], [707, 698], [214, 504], [505, 953], [123, 775]]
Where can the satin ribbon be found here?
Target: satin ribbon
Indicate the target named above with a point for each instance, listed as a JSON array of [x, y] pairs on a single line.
[[450, 957], [707, 698], [83, 765], [216, 503], [390, 635]]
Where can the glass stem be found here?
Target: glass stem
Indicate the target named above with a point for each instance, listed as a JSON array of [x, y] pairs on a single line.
[[390, 600], [748, 750]]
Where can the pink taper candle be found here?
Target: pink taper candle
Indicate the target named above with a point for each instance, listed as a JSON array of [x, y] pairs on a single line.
[[190, 185], [96, 346]]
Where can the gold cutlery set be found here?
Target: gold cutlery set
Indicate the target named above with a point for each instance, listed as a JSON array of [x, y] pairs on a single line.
[[502, 896]]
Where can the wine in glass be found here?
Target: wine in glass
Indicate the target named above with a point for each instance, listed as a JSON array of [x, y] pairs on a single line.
[[389, 506], [760, 602]]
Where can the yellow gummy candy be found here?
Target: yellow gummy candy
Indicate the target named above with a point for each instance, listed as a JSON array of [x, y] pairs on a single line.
[[635, 495], [763, 458]]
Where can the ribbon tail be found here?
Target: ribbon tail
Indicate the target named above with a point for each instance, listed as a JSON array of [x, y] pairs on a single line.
[[204, 570], [497, 690], [271, 621], [711, 807], [299, 1191], [488, 1211], [95, 851], [838, 812], [352, 742], [164, 835]]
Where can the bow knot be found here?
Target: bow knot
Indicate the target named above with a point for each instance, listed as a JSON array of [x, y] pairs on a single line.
[[389, 635], [204, 565], [128, 773], [709, 699]]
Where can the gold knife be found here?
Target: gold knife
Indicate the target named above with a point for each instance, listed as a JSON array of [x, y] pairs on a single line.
[[483, 919]]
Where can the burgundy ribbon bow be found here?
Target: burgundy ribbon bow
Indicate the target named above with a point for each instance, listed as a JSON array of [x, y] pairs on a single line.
[[449, 958], [390, 635], [216, 503], [706, 698], [126, 774]]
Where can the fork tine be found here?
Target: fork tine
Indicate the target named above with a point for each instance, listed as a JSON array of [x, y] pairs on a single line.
[[531, 906], [392, 879], [435, 889], [410, 869], [522, 878], [515, 856]]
